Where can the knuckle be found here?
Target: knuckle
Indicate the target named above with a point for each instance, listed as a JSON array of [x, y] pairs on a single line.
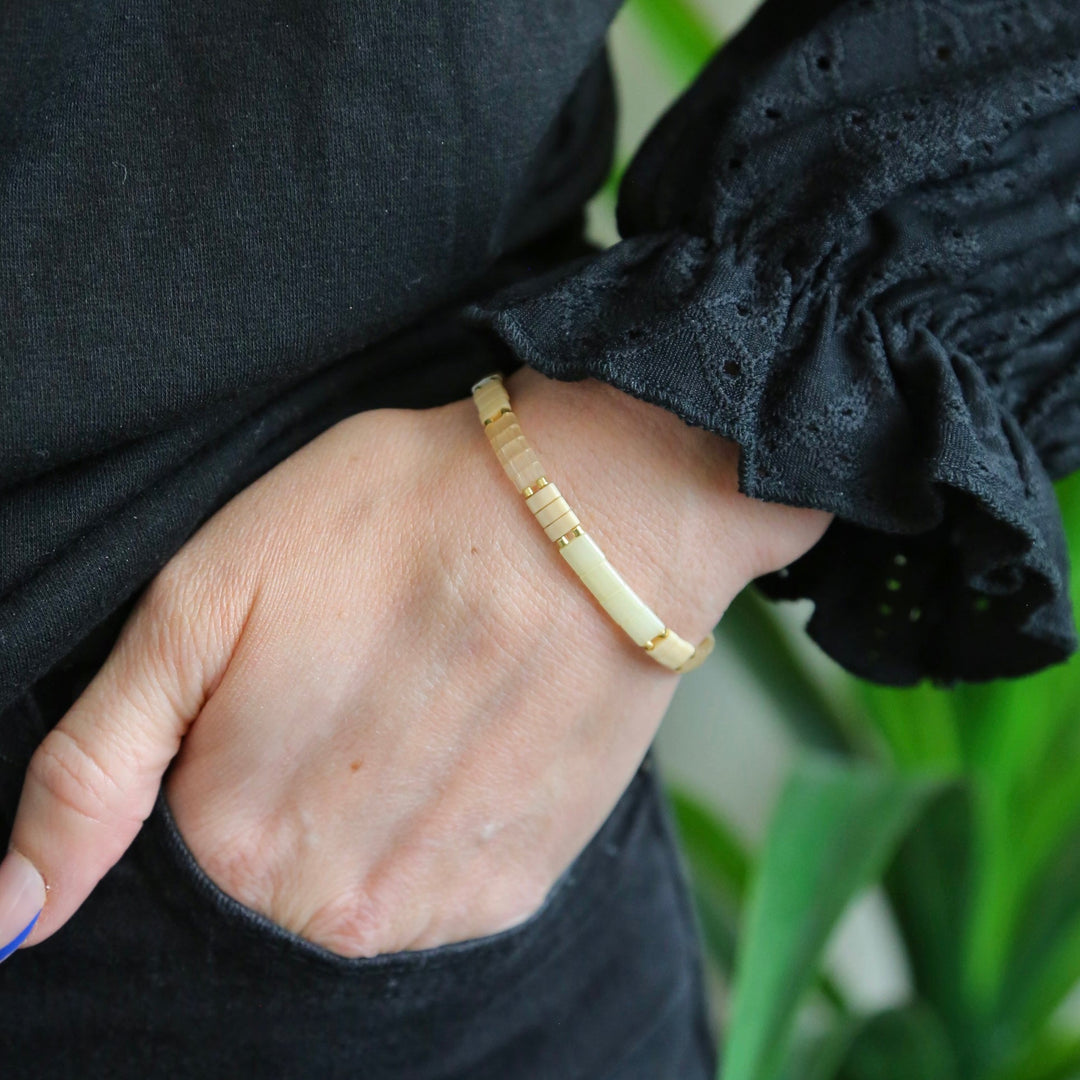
[[356, 923], [241, 869]]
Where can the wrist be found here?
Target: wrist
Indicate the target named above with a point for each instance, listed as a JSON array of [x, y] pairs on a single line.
[[660, 498]]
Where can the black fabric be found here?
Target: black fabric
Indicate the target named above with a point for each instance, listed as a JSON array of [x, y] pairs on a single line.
[[161, 975], [853, 247], [215, 220]]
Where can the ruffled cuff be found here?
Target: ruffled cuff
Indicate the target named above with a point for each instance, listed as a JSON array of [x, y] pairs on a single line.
[[947, 558], [879, 301]]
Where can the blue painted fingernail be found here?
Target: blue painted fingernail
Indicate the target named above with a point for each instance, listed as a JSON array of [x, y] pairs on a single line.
[[11, 946], [22, 895]]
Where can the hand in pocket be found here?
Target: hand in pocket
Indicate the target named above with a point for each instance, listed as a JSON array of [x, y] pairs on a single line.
[[396, 716]]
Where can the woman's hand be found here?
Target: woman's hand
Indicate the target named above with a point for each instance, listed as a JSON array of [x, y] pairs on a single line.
[[396, 714]]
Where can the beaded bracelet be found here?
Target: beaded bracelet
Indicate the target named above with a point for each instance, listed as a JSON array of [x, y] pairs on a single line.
[[561, 525]]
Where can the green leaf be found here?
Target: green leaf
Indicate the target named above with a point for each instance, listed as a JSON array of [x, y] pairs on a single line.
[[1046, 947], [713, 849], [917, 723], [819, 720], [907, 1043], [683, 40], [1053, 1055], [719, 868], [834, 828], [929, 886]]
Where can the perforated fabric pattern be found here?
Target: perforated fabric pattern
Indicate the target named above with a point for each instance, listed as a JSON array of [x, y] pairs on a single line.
[[853, 247]]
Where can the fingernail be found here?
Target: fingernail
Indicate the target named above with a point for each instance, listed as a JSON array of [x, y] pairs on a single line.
[[22, 896]]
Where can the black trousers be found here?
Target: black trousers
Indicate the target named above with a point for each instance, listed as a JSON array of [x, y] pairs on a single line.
[[160, 974]]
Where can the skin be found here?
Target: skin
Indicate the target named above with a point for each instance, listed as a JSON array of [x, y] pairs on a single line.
[[393, 713]]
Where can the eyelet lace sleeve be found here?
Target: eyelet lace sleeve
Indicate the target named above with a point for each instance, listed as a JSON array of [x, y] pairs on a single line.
[[853, 247]]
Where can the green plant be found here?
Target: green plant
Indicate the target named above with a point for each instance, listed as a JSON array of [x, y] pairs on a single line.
[[964, 805]]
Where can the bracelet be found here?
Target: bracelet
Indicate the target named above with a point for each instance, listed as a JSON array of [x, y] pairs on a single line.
[[562, 525]]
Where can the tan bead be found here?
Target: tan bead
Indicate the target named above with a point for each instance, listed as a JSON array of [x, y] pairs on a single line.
[[495, 376], [491, 410], [490, 398], [497, 427], [701, 650], [554, 509], [539, 499], [509, 442], [672, 651], [523, 470], [561, 525]]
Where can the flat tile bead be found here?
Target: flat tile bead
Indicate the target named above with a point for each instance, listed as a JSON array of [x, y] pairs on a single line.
[[508, 435], [562, 525], [496, 427], [582, 553], [672, 651], [493, 411], [491, 397], [539, 499], [701, 651], [524, 470], [512, 446], [554, 509], [633, 615], [603, 580]]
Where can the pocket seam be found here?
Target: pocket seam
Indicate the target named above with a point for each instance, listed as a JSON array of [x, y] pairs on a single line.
[[236, 917]]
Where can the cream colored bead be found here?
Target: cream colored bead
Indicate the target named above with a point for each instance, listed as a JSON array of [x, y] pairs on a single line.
[[492, 410], [702, 650], [603, 580], [509, 442], [490, 398], [582, 554], [487, 380], [672, 651], [580, 551], [539, 499], [554, 509], [561, 525], [633, 615], [523, 470], [497, 427]]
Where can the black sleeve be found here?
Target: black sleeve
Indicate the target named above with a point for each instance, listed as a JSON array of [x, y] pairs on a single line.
[[853, 247]]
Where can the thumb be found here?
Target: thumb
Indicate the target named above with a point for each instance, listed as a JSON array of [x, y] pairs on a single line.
[[94, 779]]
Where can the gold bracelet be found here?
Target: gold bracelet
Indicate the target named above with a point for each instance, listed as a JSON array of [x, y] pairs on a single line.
[[561, 525]]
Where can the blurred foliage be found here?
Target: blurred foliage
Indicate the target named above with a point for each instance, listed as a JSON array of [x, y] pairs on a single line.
[[962, 804]]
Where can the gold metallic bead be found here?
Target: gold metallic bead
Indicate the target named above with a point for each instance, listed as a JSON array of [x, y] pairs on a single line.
[[650, 645], [565, 539], [502, 412], [535, 486]]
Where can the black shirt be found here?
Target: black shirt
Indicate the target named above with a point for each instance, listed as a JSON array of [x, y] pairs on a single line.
[[853, 247]]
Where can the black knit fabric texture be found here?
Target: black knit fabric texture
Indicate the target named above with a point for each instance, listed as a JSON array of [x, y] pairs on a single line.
[[853, 247]]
